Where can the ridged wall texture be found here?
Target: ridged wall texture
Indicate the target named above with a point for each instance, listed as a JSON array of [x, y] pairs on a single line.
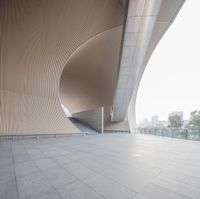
[[37, 38]]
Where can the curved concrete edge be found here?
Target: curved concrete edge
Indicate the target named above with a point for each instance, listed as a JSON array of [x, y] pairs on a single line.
[[147, 21]]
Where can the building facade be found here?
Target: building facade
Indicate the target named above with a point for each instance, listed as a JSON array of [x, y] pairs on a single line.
[[87, 55]]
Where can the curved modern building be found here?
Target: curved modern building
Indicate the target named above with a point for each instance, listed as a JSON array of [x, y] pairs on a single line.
[[88, 56]]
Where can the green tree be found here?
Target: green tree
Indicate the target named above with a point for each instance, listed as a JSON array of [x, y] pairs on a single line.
[[175, 121], [194, 121]]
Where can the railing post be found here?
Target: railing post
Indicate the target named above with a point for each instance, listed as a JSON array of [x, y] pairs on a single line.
[[186, 134], [199, 134]]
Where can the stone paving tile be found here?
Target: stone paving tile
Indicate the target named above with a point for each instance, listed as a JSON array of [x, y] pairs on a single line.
[[134, 179], [8, 189], [193, 181], [153, 191], [58, 176], [35, 154], [108, 188], [21, 158], [22, 169], [45, 163], [119, 166], [78, 190], [7, 173], [6, 161], [47, 195], [32, 185], [181, 188], [79, 171], [63, 160]]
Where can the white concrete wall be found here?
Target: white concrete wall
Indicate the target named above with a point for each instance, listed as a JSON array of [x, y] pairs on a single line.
[[93, 117], [147, 21]]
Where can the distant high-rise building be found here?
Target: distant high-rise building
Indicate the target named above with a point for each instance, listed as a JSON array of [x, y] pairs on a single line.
[[145, 123], [162, 124], [154, 120], [145, 120]]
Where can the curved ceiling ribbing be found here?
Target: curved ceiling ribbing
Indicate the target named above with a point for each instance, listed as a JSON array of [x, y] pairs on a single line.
[[89, 79], [37, 38]]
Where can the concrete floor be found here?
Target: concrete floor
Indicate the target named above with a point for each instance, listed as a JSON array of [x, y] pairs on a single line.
[[112, 166]]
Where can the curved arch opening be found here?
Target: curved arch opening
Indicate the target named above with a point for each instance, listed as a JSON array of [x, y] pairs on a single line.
[[170, 81], [89, 77]]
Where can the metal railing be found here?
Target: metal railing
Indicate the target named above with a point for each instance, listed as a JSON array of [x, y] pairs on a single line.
[[188, 134]]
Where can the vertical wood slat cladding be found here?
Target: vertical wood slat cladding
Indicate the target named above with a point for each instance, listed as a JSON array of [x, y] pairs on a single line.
[[37, 37]]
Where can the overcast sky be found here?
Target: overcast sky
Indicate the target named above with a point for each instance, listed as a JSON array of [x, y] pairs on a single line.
[[171, 81]]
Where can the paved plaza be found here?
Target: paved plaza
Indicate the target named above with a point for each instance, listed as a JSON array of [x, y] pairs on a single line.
[[108, 166]]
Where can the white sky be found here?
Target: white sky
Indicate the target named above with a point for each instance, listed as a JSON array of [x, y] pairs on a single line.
[[171, 81]]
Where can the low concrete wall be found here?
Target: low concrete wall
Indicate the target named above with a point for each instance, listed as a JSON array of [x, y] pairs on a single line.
[[93, 117]]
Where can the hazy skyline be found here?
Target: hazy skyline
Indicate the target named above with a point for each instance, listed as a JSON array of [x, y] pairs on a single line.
[[172, 77]]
